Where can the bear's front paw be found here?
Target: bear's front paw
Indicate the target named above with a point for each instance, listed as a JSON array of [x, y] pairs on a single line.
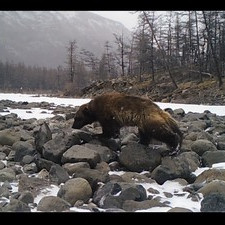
[[175, 152]]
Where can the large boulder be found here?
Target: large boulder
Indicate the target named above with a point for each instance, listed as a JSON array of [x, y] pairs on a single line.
[[93, 176], [210, 175], [58, 174], [106, 154], [75, 189], [9, 137], [54, 149], [7, 174], [179, 209], [79, 153], [26, 197], [71, 168], [114, 194], [201, 145], [137, 158], [43, 163], [211, 157], [16, 205], [180, 166], [32, 184], [53, 204], [42, 135], [110, 188], [214, 202], [22, 148], [132, 205], [215, 186]]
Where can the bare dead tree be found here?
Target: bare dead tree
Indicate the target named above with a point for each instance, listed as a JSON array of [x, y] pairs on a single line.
[[131, 57], [91, 61], [142, 50], [121, 49], [217, 67], [108, 56], [162, 51], [152, 19], [71, 59], [103, 70], [177, 29], [198, 46], [59, 73]]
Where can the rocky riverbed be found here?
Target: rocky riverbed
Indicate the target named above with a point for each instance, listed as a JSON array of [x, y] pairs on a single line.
[[45, 165]]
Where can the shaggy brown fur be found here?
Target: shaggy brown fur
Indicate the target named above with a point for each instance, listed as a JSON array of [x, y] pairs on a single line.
[[115, 110]]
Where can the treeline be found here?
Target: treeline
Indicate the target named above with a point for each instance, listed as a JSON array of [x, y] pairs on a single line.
[[20, 77], [190, 41], [193, 41]]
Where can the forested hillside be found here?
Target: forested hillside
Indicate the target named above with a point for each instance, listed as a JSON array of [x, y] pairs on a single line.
[[173, 50]]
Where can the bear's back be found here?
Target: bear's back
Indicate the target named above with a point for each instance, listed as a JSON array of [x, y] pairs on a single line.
[[124, 107], [118, 100]]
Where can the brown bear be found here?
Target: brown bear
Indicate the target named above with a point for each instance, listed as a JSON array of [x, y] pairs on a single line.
[[115, 110]]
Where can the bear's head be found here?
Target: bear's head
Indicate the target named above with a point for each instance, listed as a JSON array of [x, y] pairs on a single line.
[[83, 117]]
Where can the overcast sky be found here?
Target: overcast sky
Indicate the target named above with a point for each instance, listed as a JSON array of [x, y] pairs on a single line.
[[127, 18]]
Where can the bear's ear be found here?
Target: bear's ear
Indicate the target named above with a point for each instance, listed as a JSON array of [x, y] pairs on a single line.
[[86, 111]]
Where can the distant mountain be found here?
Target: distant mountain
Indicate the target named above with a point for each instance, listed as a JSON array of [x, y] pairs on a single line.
[[40, 37]]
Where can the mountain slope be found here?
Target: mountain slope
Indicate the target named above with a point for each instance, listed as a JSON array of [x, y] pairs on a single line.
[[41, 37]]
